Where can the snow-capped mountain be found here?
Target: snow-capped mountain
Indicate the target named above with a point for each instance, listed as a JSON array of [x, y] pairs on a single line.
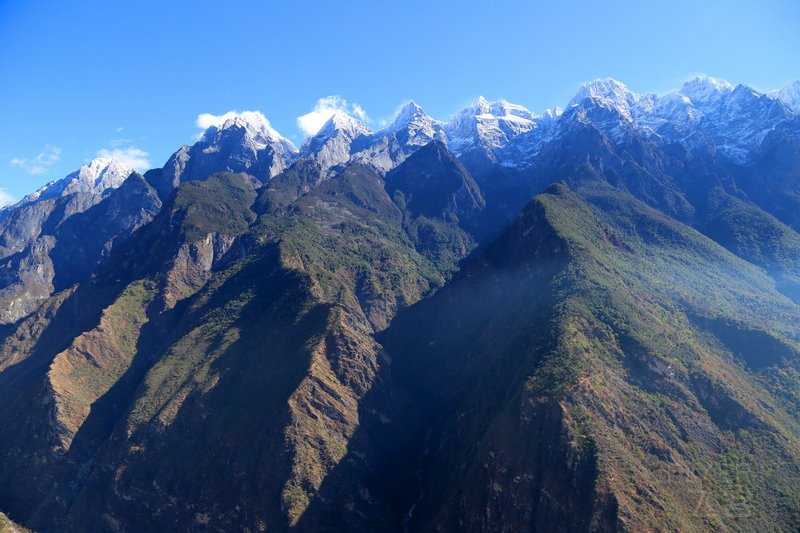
[[609, 105], [612, 94], [740, 121], [22, 223], [244, 142], [607, 284], [491, 139], [56, 235], [256, 132], [414, 127], [789, 95], [488, 125], [478, 133], [410, 130], [705, 110], [705, 92], [332, 144], [94, 177], [731, 120]]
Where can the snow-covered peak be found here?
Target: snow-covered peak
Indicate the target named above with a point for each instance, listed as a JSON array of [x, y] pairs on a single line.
[[602, 88], [103, 172], [332, 144], [513, 112], [342, 124], [482, 106], [674, 109], [414, 126], [497, 109], [705, 90], [256, 127], [95, 177], [610, 93], [254, 122], [410, 130], [488, 125], [408, 114], [706, 110], [789, 95]]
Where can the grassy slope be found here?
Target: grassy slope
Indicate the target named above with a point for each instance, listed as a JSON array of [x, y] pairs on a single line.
[[601, 392], [756, 236], [443, 208], [259, 394], [69, 363], [587, 357]]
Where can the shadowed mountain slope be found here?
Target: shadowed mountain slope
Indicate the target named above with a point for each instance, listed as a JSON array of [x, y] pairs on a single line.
[[602, 367]]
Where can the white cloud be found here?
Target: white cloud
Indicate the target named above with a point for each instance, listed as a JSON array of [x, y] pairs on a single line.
[[130, 156], [359, 113], [40, 163], [254, 118], [206, 120], [5, 198], [324, 109]]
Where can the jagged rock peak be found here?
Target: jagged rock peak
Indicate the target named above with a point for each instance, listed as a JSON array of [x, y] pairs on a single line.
[[255, 125], [499, 109], [609, 92], [602, 88], [341, 122], [419, 127], [705, 89], [332, 145], [488, 124], [94, 177], [409, 113]]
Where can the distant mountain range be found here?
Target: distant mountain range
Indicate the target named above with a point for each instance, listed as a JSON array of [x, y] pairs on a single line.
[[585, 320]]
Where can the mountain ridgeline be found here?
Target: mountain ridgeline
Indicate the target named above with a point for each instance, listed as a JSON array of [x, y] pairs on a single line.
[[586, 320]]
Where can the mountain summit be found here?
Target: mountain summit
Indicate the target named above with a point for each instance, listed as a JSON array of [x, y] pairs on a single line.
[[257, 130], [417, 126], [95, 177], [789, 95], [331, 145]]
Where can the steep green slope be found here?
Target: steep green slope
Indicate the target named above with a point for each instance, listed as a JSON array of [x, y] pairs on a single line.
[[68, 369], [600, 366], [237, 348], [259, 395], [443, 208], [749, 209], [754, 235], [606, 368]]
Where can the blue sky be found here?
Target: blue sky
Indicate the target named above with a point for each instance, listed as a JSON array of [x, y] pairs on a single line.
[[83, 78]]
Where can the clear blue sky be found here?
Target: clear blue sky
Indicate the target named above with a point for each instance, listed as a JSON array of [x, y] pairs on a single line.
[[79, 77]]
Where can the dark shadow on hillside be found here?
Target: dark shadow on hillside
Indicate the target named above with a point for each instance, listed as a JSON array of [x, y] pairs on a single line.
[[224, 446], [22, 386]]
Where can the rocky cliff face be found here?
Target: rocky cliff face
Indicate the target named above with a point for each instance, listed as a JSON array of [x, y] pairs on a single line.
[[162, 337], [65, 232], [243, 142], [7, 526], [385, 335]]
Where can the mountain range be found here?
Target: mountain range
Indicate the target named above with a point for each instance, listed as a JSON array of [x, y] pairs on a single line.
[[584, 320]]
